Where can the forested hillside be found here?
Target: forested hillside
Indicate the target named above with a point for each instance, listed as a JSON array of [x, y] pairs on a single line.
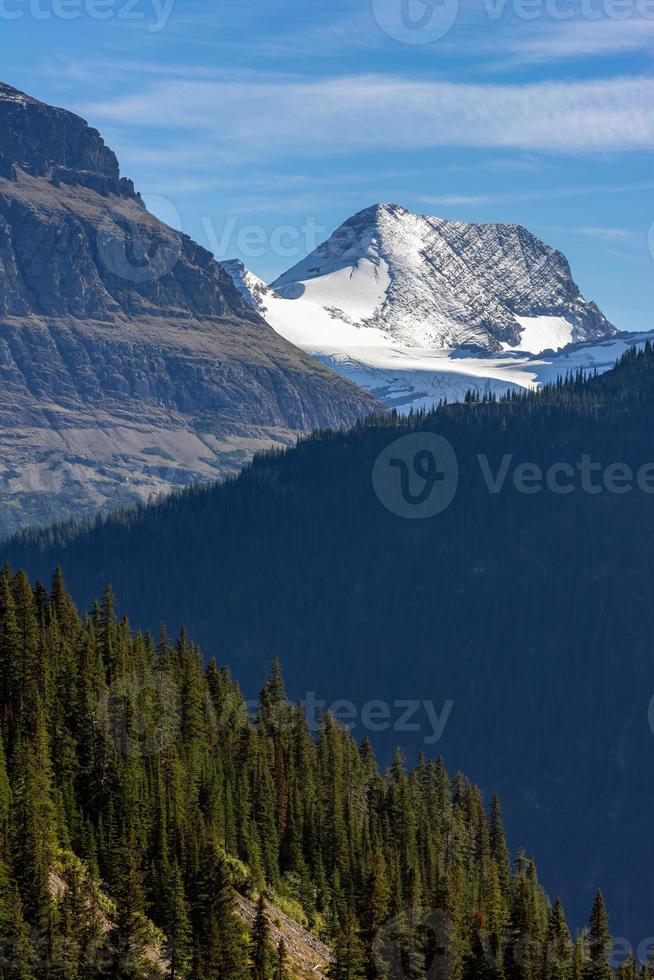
[[531, 612], [137, 792]]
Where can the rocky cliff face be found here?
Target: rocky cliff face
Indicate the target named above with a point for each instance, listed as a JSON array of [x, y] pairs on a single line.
[[129, 362]]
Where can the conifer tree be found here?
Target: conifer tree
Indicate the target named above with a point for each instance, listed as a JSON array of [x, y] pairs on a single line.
[[628, 969], [260, 942], [280, 962], [349, 957], [16, 954], [498, 847], [558, 951], [33, 824], [579, 957], [177, 926], [375, 902], [219, 950], [599, 942], [129, 936]]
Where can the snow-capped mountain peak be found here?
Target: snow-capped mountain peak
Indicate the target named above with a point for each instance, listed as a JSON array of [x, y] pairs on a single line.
[[427, 282], [393, 300]]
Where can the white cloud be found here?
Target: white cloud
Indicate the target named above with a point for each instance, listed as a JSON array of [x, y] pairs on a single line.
[[346, 114], [549, 193], [586, 38], [457, 199], [613, 235]]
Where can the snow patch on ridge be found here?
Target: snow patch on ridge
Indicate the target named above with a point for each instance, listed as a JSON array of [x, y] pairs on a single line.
[[541, 333]]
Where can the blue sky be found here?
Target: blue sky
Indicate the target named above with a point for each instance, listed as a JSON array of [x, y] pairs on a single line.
[[258, 127]]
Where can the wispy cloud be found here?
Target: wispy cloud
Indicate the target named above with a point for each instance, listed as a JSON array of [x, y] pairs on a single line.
[[376, 112], [625, 236], [461, 200], [552, 193], [581, 38]]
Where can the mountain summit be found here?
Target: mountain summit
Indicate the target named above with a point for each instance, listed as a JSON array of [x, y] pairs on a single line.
[[435, 283], [129, 363], [391, 294], [48, 142]]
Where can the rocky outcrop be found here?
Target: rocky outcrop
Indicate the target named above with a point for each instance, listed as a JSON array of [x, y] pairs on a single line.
[[129, 362], [48, 142], [307, 955]]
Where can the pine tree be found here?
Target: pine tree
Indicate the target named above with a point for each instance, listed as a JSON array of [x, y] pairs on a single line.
[[260, 943], [33, 824], [628, 970], [375, 901], [579, 957], [280, 962], [177, 926], [498, 847], [81, 947], [273, 702], [16, 954], [26, 670], [349, 956], [558, 953], [599, 942], [219, 949], [129, 938]]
